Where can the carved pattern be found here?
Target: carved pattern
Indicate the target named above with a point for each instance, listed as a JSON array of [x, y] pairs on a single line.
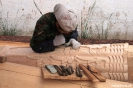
[[109, 59]]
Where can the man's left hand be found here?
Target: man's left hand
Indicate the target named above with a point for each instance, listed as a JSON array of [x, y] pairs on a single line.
[[75, 44]]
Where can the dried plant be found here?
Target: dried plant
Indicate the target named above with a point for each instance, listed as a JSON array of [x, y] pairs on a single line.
[[86, 31], [97, 31], [8, 29]]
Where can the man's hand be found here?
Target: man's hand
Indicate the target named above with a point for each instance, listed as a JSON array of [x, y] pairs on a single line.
[[59, 40], [75, 44]]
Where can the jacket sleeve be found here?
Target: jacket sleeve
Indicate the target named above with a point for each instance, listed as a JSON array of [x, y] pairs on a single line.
[[73, 34]]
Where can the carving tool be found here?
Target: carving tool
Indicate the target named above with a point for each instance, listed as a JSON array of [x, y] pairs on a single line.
[[90, 69], [88, 73], [70, 70], [58, 70], [3, 59], [51, 69], [96, 73], [78, 72], [64, 71]]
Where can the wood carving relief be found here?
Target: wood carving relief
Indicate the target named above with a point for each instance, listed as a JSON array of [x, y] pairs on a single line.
[[109, 59]]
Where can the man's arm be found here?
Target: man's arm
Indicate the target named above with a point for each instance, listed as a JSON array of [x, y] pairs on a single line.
[[73, 35], [72, 40]]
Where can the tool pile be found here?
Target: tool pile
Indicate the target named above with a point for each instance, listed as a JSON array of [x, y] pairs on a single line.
[[68, 72], [61, 70]]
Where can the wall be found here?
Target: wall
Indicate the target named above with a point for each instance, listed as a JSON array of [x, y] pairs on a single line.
[[106, 18]]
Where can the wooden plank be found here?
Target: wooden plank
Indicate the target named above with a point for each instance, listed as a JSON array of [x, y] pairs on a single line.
[[24, 69], [48, 75], [88, 73], [98, 75], [22, 76]]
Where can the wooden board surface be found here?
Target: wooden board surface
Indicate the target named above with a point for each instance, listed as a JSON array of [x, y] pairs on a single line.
[[130, 70], [21, 76]]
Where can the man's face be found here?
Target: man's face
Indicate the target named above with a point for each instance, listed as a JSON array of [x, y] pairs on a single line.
[[60, 29]]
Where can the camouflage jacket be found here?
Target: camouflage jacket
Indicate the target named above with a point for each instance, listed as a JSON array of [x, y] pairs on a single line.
[[44, 33]]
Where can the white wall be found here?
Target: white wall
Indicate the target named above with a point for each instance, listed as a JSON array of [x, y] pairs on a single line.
[[24, 14]]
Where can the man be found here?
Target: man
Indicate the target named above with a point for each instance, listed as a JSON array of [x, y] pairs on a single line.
[[54, 29]]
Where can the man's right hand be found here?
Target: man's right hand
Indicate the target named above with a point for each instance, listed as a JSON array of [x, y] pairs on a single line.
[[59, 40]]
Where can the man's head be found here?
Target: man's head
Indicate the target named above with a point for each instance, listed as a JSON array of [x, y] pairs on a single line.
[[66, 18]]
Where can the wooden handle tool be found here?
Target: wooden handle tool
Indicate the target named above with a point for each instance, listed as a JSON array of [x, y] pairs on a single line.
[[88, 73]]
